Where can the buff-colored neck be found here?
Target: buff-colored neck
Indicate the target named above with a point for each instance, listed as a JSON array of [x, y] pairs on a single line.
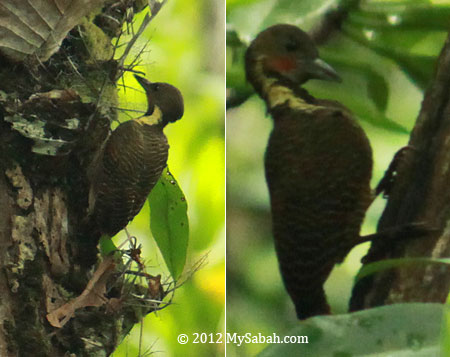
[[153, 119], [276, 93]]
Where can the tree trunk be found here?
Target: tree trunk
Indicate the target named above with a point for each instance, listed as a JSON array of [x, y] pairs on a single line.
[[56, 104], [420, 194]]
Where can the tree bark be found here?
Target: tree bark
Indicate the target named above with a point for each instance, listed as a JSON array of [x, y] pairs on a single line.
[[420, 194], [54, 116]]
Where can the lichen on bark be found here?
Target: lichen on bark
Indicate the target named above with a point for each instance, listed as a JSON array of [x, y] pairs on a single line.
[[54, 116]]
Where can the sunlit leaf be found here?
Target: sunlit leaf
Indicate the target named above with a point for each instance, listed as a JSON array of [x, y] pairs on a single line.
[[107, 246], [397, 330], [169, 222]]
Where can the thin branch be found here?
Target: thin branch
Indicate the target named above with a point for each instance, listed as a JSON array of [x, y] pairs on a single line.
[[155, 7], [332, 21]]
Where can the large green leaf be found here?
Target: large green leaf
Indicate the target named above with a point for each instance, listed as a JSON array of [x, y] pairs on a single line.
[[169, 222], [411, 330], [445, 330]]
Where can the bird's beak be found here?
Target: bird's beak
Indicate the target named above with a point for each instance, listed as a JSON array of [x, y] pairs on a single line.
[[143, 82], [321, 70]]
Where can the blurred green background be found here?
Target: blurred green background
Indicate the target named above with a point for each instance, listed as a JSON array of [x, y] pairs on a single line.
[[184, 46], [385, 53]]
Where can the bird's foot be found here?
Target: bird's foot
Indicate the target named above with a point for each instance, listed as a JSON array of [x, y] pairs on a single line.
[[393, 235], [404, 231], [387, 182]]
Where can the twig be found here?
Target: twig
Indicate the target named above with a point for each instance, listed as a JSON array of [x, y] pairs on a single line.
[[332, 21], [155, 6]]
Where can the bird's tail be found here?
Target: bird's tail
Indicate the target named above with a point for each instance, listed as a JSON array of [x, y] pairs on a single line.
[[311, 304], [304, 282], [87, 239]]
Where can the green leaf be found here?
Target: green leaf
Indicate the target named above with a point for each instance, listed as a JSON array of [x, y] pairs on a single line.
[[238, 89], [445, 329], [397, 47], [353, 96], [418, 68], [397, 330], [250, 17], [106, 245], [410, 15], [169, 222], [377, 86], [372, 268], [377, 119]]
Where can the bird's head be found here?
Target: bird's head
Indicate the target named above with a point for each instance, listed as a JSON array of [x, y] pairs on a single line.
[[164, 96], [284, 52]]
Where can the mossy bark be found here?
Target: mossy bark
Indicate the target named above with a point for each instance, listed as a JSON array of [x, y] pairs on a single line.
[[54, 117]]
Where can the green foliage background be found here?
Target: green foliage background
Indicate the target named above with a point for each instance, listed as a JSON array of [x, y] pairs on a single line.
[[385, 54], [185, 47]]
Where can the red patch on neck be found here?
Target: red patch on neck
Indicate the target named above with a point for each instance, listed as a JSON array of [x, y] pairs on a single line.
[[281, 64]]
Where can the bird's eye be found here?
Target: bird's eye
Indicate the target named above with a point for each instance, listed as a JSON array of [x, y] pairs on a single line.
[[291, 46], [155, 87]]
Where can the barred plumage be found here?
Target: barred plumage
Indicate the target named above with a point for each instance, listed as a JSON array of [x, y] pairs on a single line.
[[132, 160]]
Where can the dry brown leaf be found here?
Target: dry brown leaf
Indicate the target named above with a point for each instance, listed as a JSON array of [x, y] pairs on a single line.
[[93, 295], [31, 27]]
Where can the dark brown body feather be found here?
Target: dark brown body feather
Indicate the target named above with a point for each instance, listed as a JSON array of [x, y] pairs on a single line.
[[318, 164], [132, 162], [318, 167]]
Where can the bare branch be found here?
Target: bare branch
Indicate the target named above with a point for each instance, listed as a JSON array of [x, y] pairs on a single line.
[[155, 6]]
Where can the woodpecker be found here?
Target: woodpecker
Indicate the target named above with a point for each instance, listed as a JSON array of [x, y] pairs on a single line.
[[318, 165], [132, 160]]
